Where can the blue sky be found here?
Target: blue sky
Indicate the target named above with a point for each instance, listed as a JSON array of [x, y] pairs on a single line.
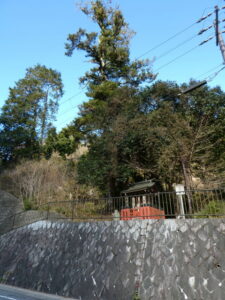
[[35, 31]]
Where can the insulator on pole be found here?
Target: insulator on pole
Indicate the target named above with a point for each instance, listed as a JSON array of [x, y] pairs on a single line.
[[203, 18], [205, 41], [204, 30]]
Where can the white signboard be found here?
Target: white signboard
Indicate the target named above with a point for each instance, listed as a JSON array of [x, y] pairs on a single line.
[[179, 188]]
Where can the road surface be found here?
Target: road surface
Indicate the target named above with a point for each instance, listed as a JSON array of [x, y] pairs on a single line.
[[12, 293]]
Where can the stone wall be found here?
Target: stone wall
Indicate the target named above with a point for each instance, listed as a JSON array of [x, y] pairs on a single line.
[[12, 214], [9, 205], [172, 259]]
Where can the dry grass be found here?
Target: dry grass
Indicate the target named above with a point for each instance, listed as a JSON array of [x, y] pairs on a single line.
[[39, 182]]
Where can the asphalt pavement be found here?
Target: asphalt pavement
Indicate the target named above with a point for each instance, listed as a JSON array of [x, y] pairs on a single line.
[[13, 293]]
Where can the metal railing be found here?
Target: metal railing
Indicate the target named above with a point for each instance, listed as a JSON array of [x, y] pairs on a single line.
[[188, 204]]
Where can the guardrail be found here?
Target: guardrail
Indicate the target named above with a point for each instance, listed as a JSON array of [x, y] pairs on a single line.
[[188, 204]]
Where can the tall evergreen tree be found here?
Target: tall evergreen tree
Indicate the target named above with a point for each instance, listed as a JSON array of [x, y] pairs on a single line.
[[113, 75], [27, 113], [108, 49]]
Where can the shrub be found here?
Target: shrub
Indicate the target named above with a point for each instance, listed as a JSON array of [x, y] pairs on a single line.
[[37, 182], [213, 209], [27, 204]]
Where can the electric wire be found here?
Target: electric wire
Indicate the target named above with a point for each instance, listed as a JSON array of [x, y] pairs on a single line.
[[65, 121], [176, 47], [157, 58], [212, 69], [212, 76], [170, 62], [70, 98], [167, 40], [176, 58], [62, 113], [175, 35], [208, 78], [65, 112], [161, 67], [73, 96]]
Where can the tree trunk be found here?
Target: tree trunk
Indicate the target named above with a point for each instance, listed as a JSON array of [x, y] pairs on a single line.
[[44, 121]]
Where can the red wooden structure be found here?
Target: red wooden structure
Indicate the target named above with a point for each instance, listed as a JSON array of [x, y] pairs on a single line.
[[138, 205], [146, 212]]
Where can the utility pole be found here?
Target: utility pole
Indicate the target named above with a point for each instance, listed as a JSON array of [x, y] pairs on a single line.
[[219, 37]]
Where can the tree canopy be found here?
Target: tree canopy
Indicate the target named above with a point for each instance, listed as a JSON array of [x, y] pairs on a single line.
[[111, 84], [158, 134], [27, 114], [135, 127], [108, 49]]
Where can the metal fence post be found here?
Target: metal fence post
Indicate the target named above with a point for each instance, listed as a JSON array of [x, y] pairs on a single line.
[[181, 203], [48, 208], [73, 207]]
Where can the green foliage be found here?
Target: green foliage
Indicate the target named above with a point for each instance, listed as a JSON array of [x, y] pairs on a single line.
[[132, 132], [213, 209], [108, 48], [148, 134], [83, 209], [111, 83], [27, 114], [65, 142], [90, 209], [27, 203], [136, 296]]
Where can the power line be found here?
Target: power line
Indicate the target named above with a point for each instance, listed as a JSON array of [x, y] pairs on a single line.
[[156, 71], [63, 113], [170, 62], [176, 47], [157, 58], [65, 121], [176, 58], [209, 78], [66, 101], [203, 18], [212, 76], [212, 69], [167, 40], [75, 95], [70, 98]]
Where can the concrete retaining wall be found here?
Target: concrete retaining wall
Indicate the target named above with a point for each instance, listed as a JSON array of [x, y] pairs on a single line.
[[12, 214], [173, 259]]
